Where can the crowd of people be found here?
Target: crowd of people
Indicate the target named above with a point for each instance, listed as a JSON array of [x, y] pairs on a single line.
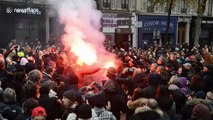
[[153, 83]]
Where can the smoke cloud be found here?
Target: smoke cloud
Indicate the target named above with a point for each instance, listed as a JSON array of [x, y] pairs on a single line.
[[82, 31]]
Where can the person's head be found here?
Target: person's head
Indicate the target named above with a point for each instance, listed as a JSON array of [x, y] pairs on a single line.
[[183, 81], [84, 112], [192, 58], [201, 94], [141, 79], [49, 70], [44, 90], [35, 76], [111, 72], [207, 67], [161, 60], [30, 90], [39, 64], [138, 93], [187, 66], [23, 61], [29, 105], [152, 103], [11, 70], [201, 112], [39, 113], [9, 95], [175, 81], [51, 64], [153, 79], [29, 67], [69, 98], [21, 77], [60, 69], [153, 66], [100, 100], [172, 56], [163, 91], [180, 70], [159, 70], [168, 67]]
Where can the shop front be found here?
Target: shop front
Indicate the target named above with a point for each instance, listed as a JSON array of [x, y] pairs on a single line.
[[206, 35], [23, 22], [153, 29], [118, 29], [109, 24]]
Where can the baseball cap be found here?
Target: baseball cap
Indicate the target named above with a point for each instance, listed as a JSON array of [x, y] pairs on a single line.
[[39, 111]]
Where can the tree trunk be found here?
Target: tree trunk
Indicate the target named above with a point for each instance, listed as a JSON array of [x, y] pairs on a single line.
[[167, 39], [197, 30], [200, 11]]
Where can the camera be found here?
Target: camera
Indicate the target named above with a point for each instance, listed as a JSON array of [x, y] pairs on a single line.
[[16, 46], [130, 71]]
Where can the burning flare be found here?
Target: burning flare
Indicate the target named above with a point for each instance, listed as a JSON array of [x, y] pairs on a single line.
[[82, 34], [109, 64], [85, 52]]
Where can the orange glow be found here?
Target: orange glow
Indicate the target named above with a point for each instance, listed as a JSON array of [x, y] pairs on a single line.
[[85, 52], [109, 64]]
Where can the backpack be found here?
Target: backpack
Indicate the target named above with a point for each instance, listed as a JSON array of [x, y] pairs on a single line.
[[10, 111]]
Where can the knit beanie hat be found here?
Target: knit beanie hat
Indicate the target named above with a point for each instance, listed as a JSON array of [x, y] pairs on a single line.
[[200, 112], [173, 87], [201, 94], [70, 94]]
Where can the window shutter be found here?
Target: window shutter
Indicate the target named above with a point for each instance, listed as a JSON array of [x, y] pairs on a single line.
[[144, 6]]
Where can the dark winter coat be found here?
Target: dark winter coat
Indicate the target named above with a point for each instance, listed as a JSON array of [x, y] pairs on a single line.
[[207, 78], [51, 106]]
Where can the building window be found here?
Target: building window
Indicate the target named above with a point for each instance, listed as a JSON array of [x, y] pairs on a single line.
[[97, 4], [125, 4], [145, 4], [118, 4], [156, 8], [26, 30], [132, 4], [183, 6], [106, 3], [150, 6]]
